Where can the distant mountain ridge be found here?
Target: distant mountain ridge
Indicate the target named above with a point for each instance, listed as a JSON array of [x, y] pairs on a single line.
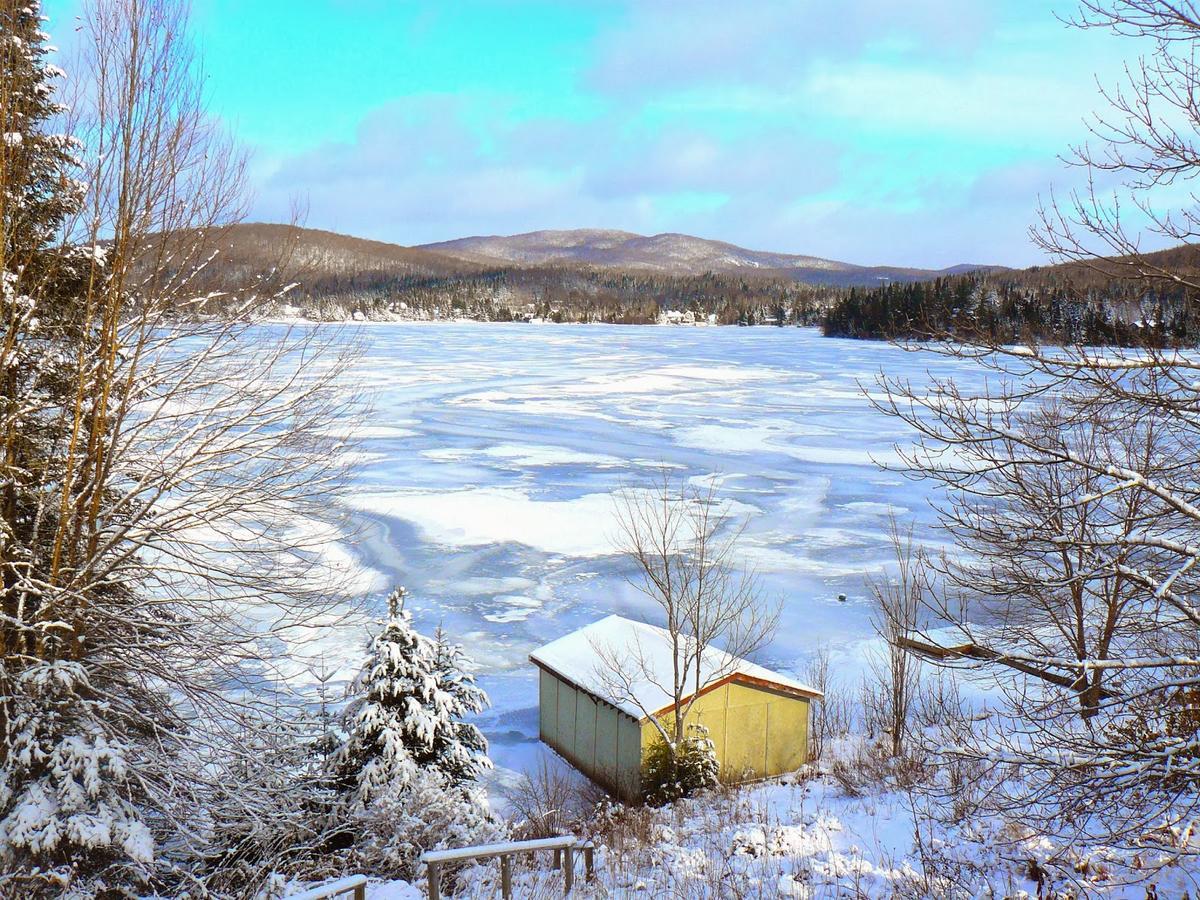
[[587, 276], [672, 253]]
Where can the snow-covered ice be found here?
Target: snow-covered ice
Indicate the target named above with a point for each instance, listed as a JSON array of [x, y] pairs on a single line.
[[579, 526], [485, 478]]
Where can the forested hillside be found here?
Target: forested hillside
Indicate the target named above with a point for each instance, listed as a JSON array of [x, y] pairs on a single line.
[[335, 277], [1097, 304]]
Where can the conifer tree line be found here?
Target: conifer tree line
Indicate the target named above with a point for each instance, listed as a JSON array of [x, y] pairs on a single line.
[[561, 294], [1009, 308], [158, 478]]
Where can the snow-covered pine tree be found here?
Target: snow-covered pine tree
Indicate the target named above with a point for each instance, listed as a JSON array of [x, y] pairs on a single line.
[[405, 771], [40, 290], [410, 701], [459, 748], [393, 714]]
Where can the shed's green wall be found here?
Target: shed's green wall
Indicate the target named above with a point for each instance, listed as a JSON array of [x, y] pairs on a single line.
[[547, 707], [758, 732], [597, 739], [629, 758], [564, 728], [585, 732], [606, 744]]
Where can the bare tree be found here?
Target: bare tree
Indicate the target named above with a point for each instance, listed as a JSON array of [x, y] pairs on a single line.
[[1070, 589], [552, 799], [898, 602], [164, 469], [683, 543], [832, 717], [1071, 479], [1142, 151]]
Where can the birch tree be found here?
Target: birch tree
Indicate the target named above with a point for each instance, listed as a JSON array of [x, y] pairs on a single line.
[[683, 544], [162, 466]]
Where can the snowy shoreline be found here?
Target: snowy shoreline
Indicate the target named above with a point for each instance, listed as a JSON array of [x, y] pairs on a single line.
[[301, 320]]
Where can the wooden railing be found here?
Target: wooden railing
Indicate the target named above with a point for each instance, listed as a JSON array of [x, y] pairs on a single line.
[[564, 848], [355, 886]]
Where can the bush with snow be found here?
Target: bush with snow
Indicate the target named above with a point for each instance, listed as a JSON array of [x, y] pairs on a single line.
[[803, 837], [424, 813], [72, 819], [672, 771]]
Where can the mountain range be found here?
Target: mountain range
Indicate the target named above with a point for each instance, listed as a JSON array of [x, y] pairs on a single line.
[[321, 253], [670, 253], [592, 275]]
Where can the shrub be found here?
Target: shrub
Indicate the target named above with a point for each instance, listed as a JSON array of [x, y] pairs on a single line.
[[551, 800], [427, 813], [672, 771]]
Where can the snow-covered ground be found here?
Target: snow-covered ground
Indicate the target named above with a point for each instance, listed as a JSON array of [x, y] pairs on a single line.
[[484, 480], [806, 838]]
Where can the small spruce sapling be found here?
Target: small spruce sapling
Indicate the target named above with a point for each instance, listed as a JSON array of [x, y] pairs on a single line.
[[408, 764], [671, 773], [72, 818], [459, 748]]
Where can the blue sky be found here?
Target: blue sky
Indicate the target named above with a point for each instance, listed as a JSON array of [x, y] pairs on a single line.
[[872, 131]]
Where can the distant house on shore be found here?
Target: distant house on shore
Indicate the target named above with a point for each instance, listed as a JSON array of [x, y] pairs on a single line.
[[758, 719]]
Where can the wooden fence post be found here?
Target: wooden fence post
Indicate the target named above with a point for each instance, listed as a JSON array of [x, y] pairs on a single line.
[[557, 859], [360, 892], [589, 861], [568, 869], [435, 882], [506, 877]]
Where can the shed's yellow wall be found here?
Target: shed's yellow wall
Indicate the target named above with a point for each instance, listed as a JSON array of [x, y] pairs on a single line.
[[758, 732]]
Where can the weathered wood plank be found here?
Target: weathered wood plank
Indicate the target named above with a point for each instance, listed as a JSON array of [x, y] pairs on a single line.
[[435, 881], [506, 877], [356, 885], [484, 851]]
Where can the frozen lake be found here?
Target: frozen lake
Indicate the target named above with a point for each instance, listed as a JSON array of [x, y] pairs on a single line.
[[484, 479]]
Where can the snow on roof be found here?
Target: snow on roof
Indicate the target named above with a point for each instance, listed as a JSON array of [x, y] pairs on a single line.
[[642, 652]]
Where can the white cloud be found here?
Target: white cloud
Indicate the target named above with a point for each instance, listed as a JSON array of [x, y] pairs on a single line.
[[1016, 106], [686, 43], [907, 134]]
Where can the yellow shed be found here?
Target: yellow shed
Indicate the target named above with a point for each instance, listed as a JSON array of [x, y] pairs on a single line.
[[599, 688]]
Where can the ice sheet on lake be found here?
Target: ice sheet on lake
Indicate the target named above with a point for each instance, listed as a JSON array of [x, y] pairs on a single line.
[[525, 455], [493, 455], [582, 526]]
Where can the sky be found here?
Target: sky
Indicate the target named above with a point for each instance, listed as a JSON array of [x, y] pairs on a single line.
[[871, 131]]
